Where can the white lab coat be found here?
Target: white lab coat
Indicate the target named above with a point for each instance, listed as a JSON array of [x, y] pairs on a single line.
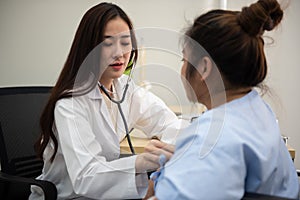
[[86, 164]]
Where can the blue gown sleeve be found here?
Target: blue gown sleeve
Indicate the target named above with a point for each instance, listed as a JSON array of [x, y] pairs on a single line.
[[187, 175]]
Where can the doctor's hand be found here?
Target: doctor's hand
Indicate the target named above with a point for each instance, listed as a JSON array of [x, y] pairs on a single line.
[[149, 160]]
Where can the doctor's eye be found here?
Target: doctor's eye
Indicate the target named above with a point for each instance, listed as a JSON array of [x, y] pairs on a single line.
[[107, 44], [125, 43]]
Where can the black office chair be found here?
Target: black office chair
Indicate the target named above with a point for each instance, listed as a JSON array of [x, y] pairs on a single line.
[[253, 196], [20, 109], [256, 196]]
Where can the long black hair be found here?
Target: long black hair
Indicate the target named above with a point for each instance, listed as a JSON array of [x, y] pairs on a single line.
[[89, 35]]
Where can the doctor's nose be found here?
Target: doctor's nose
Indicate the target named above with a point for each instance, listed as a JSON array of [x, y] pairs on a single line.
[[118, 51]]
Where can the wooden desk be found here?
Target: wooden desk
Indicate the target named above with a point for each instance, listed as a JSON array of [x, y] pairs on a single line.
[[137, 143], [140, 143], [292, 151]]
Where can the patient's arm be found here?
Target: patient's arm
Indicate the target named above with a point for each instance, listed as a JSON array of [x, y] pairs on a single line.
[[150, 192]]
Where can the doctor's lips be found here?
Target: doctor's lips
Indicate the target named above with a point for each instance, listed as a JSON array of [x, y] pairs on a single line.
[[117, 65]]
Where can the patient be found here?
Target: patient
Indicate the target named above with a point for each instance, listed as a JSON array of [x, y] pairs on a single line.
[[236, 146]]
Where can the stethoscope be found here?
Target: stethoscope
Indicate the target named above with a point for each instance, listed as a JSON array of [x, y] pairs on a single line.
[[106, 92]]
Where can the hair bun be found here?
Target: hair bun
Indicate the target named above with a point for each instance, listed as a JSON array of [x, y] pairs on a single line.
[[260, 16]]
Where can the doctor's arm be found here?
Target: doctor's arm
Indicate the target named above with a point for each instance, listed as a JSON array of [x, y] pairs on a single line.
[[157, 148], [90, 172], [153, 117]]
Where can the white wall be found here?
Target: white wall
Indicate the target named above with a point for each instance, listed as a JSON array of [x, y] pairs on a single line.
[[36, 35], [283, 78]]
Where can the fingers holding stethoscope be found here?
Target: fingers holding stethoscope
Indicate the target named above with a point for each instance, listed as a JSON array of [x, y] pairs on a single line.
[[155, 155]]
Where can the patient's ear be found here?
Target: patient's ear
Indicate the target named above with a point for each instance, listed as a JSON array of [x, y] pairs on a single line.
[[205, 67]]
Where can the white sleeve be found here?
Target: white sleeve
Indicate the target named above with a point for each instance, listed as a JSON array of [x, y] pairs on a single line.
[[151, 115], [90, 173]]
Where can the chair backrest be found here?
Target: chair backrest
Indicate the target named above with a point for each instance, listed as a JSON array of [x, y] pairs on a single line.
[[20, 110]]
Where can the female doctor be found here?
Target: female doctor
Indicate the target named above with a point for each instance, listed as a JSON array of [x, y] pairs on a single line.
[[82, 127]]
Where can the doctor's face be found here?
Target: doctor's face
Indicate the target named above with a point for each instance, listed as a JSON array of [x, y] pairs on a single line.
[[116, 48]]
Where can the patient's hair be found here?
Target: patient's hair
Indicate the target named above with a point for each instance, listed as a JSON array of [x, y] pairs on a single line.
[[234, 41]]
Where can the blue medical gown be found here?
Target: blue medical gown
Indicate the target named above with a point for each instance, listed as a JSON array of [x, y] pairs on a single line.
[[230, 150]]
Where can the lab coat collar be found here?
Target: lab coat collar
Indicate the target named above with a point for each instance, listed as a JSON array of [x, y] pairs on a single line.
[[95, 93], [119, 84]]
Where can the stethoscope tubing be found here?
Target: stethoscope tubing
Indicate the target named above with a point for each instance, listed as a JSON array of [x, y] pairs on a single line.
[[121, 112]]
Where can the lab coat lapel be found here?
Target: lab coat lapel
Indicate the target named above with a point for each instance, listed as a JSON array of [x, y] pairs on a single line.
[[105, 115], [103, 111]]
